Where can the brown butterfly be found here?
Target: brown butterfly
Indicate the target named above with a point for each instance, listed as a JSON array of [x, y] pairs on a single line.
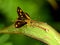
[[23, 18]]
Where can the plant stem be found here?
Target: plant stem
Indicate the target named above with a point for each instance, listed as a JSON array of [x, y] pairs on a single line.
[[37, 30]]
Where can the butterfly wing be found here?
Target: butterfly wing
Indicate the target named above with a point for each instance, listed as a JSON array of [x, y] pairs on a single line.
[[20, 24], [22, 16]]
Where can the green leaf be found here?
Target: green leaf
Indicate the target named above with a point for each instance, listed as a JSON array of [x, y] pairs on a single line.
[[4, 38]]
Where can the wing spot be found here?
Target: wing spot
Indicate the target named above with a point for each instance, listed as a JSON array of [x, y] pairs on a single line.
[[21, 16], [16, 25], [21, 11], [18, 10]]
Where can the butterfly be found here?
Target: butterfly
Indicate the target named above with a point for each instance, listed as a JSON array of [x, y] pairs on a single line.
[[23, 18]]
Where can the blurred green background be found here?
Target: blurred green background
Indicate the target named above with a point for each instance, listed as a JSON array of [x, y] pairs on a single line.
[[39, 10]]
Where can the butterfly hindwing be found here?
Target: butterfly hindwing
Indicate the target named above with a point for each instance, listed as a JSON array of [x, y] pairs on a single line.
[[20, 24]]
